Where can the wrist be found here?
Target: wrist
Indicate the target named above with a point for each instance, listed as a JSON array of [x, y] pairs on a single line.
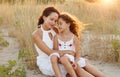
[[76, 60]]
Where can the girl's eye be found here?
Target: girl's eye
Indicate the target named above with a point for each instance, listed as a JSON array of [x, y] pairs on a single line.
[[60, 23]]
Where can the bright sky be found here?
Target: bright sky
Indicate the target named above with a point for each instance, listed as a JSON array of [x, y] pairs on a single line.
[[108, 1]]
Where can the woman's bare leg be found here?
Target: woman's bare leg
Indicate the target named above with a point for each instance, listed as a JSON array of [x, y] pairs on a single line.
[[54, 61], [92, 70], [68, 66], [82, 73]]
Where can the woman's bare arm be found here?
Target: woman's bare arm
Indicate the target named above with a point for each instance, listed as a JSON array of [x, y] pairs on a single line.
[[37, 37], [55, 43], [71, 52]]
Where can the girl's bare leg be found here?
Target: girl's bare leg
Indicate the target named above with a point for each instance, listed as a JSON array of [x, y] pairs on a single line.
[[92, 70], [54, 61], [82, 73], [68, 66]]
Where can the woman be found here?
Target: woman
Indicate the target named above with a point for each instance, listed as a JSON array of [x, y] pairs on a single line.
[[43, 40], [43, 43]]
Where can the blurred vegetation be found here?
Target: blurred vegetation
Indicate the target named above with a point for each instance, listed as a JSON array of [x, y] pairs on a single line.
[[1, 20], [36, 1], [116, 49], [3, 43], [5, 71], [27, 58]]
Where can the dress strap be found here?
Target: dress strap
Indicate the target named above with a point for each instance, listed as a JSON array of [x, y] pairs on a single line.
[[73, 36], [66, 41]]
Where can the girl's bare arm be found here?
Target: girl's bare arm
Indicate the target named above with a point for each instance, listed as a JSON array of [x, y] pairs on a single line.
[[77, 48]]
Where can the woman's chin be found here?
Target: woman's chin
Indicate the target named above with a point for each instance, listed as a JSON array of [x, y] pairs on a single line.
[[52, 27], [60, 31]]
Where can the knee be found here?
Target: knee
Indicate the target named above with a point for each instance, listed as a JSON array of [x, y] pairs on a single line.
[[78, 67], [63, 59], [54, 59], [86, 62]]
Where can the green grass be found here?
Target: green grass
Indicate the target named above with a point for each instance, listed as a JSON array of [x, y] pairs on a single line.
[[116, 49], [5, 71], [3, 43]]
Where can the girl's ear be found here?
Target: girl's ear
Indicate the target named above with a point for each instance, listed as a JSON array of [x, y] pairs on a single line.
[[44, 18]]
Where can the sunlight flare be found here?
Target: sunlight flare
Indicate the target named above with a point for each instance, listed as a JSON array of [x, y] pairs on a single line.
[[108, 1]]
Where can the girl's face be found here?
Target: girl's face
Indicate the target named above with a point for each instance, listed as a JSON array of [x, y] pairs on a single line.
[[62, 25], [50, 21]]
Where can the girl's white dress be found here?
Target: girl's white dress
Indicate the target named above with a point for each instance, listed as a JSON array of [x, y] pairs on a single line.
[[43, 61], [68, 45]]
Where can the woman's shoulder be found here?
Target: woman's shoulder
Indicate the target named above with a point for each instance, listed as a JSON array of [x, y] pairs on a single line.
[[37, 33]]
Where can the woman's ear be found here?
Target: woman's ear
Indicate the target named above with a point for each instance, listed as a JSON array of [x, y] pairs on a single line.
[[44, 18]]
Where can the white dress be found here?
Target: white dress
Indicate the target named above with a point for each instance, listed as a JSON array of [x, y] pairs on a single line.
[[43, 61], [69, 45]]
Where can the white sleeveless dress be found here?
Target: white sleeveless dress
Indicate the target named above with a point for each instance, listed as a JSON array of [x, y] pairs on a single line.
[[43, 61], [68, 45]]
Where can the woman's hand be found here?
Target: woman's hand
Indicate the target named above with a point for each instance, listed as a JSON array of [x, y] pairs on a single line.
[[69, 52], [61, 53], [75, 63]]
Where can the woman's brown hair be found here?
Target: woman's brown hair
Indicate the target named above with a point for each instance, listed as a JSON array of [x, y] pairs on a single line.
[[76, 27], [46, 12]]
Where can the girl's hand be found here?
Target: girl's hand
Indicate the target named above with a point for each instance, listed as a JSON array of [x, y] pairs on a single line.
[[74, 65], [59, 61]]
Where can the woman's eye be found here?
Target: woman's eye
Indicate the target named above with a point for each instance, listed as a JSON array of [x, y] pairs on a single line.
[[51, 19], [55, 21]]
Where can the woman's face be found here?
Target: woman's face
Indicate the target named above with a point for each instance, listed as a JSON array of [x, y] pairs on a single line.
[[62, 25], [50, 21]]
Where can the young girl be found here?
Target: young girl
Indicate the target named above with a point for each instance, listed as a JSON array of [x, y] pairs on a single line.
[[67, 39]]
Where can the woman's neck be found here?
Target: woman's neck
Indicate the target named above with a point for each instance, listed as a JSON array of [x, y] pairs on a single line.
[[45, 27]]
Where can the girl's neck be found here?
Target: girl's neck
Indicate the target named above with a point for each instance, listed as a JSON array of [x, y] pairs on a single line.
[[66, 32], [45, 27], [65, 36]]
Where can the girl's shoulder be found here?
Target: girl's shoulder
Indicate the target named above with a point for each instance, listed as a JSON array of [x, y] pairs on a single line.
[[76, 38]]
